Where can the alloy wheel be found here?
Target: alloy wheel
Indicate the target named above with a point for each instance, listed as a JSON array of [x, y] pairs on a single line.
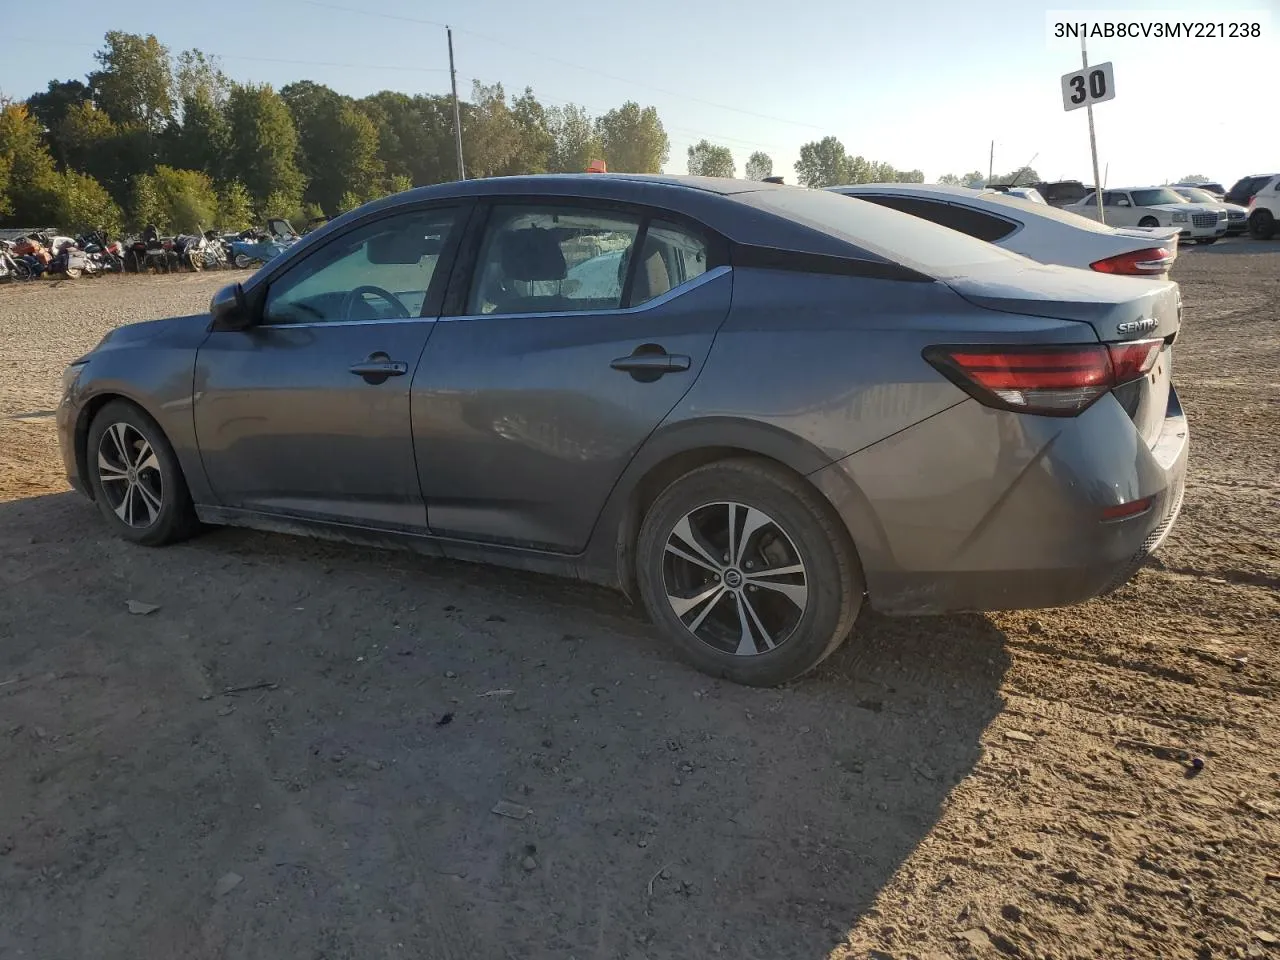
[[129, 471], [734, 578]]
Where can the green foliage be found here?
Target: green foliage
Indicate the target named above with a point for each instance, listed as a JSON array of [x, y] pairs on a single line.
[[176, 201], [633, 139], [708, 159], [972, 178], [264, 147], [28, 180], [574, 143], [824, 163], [82, 204], [338, 145], [135, 84], [759, 166], [1194, 178], [235, 207]]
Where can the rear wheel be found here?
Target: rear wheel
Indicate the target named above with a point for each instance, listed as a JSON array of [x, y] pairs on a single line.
[[243, 261], [1262, 225], [748, 572], [137, 482], [1148, 222]]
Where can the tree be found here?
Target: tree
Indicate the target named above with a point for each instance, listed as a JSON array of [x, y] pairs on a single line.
[[175, 200], [28, 187], [1192, 178], [199, 75], [264, 146], [708, 159], [822, 163], [759, 166], [235, 207], [534, 140], [415, 135], [574, 143], [963, 180], [135, 84], [82, 204], [633, 139], [910, 176], [338, 146], [51, 107], [203, 140], [1024, 176]]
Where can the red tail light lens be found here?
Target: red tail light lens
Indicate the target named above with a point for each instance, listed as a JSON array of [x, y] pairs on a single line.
[[1139, 263], [1052, 380]]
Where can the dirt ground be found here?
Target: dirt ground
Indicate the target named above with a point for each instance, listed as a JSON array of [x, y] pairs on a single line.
[[300, 752]]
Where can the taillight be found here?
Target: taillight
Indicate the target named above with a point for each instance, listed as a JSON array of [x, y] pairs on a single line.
[[1052, 380], [1139, 263]]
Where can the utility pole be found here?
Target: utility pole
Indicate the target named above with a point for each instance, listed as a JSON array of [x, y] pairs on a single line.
[[457, 113], [991, 162], [1093, 139]]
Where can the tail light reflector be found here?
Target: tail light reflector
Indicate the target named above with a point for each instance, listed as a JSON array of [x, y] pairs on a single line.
[[1139, 263], [1053, 380]]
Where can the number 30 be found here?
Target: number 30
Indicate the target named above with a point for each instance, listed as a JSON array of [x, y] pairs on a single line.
[[1097, 86]]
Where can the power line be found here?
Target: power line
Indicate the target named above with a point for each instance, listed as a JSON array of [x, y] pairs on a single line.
[[565, 63]]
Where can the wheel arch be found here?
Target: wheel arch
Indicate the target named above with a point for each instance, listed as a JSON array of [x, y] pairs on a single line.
[[89, 409], [666, 456]]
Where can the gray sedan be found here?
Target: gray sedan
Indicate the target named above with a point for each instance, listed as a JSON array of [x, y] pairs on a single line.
[[755, 407]]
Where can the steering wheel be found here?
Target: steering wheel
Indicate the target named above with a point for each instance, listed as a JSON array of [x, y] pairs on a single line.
[[399, 310]]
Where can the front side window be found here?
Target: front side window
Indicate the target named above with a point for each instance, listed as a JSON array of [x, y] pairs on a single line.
[[380, 271], [1156, 197]]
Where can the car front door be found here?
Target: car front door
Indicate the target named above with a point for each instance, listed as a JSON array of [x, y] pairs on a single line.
[[1119, 208], [306, 412], [555, 360]]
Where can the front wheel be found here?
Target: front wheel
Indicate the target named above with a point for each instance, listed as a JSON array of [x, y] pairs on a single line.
[[1262, 225], [1148, 222], [748, 572], [136, 479], [242, 261]]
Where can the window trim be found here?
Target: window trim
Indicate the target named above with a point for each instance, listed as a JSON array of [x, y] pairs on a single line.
[[454, 304], [432, 302], [957, 203]]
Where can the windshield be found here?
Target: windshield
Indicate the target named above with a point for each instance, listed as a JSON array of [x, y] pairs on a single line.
[[1155, 197], [1196, 195], [910, 241]]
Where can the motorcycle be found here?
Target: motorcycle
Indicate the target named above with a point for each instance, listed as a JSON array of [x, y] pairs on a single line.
[[12, 268], [248, 253], [106, 255]]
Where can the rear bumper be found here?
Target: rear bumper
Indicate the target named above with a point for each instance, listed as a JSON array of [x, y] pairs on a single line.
[[1000, 511]]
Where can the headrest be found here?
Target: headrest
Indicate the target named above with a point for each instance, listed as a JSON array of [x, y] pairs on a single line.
[[532, 254]]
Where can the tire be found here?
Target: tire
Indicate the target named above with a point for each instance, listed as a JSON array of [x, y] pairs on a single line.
[[802, 530], [1262, 225], [242, 261], [1148, 222], [118, 431]]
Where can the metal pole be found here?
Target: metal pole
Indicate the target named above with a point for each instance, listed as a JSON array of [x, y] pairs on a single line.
[[457, 114], [1093, 139], [991, 162]]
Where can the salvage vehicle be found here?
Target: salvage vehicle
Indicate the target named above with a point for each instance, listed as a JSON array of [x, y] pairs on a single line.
[[775, 406]]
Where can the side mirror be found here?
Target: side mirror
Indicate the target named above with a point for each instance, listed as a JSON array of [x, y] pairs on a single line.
[[1122, 202], [230, 308]]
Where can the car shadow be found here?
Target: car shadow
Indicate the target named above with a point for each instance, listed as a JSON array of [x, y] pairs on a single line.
[[1232, 246], [432, 757]]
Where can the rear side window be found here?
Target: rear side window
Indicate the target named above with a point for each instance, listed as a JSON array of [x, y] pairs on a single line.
[[901, 238], [965, 219]]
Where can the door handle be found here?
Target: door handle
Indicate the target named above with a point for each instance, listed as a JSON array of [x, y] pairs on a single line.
[[379, 368], [653, 364]]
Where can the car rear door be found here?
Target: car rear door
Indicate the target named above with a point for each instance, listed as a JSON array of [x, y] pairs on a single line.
[[306, 413], [560, 351]]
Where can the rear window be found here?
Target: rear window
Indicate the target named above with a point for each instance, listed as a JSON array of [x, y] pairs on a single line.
[[900, 237], [1027, 208]]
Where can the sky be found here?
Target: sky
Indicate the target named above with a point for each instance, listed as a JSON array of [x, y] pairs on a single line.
[[925, 84]]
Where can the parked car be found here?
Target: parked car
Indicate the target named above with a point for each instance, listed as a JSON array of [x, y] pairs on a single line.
[[787, 403], [1244, 189], [1156, 207], [1059, 193], [1216, 190], [1237, 216], [1041, 232], [1264, 210]]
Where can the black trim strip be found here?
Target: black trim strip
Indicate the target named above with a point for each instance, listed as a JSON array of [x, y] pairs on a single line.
[[772, 258]]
